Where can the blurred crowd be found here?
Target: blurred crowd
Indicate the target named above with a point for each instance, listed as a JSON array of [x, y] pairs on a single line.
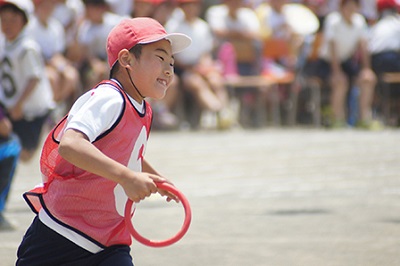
[[342, 46]]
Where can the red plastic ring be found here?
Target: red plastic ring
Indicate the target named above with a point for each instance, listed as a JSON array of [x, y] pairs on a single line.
[[167, 242]]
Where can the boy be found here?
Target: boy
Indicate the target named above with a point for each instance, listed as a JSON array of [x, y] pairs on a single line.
[[26, 92], [49, 33], [344, 61], [9, 154], [92, 161]]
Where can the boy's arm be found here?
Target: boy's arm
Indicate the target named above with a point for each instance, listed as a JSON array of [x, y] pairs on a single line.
[[5, 127], [16, 112], [146, 167], [78, 150]]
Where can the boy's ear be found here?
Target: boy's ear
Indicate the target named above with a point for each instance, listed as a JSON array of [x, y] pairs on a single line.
[[124, 58]]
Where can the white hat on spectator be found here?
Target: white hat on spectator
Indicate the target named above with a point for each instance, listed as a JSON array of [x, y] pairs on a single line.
[[26, 6]]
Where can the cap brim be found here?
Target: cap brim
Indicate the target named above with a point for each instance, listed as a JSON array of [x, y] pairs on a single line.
[[179, 41]]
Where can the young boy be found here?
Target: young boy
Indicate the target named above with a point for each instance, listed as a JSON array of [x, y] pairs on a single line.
[[9, 154], [92, 161], [25, 89]]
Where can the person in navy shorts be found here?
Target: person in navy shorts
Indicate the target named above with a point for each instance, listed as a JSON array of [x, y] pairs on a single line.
[[93, 159]]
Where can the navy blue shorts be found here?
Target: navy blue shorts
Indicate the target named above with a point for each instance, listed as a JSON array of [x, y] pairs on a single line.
[[323, 70], [41, 246], [29, 131]]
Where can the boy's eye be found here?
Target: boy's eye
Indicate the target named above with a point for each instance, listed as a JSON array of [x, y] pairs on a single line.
[[162, 58]]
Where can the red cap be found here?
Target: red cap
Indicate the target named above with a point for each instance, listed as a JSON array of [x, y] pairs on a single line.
[[386, 4], [141, 30]]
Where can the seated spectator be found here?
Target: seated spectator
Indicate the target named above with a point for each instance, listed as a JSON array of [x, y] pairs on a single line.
[[91, 39], [121, 7], [235, 25], [26, 91], [165, 9], [384, 46], [345, 62], [232, 22], [70, 13], [384, 41], [143, 8], [280, 42], [196, 66], [49, 33], [9, 154]]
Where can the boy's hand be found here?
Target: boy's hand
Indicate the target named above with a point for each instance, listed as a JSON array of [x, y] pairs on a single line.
[[142, 185], [16, 112], [168, 194], [138, 185]]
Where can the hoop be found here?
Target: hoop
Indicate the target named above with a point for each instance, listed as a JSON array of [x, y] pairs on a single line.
[[167, 242]]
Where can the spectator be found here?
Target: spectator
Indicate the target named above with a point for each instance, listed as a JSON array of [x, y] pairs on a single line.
[[121, 7], [384, 45], [26, 91], [345, 62], [369, 11], [234, 24], [384, 42], [91, 38], [69, 13], [312, 43], [165, 9], [9, 154], [143, 8], [281, 43], [199, 73], [239, 25], [49, 33], [367, 8]]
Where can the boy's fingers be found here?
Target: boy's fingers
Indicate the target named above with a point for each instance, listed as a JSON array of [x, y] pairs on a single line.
[[169, 195]]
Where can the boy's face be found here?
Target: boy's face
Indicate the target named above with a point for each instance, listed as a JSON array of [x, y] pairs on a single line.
[[46, 7], [349, 8], [95, 12], [191, 9], [143, 9], [153, 72], [12, 23]]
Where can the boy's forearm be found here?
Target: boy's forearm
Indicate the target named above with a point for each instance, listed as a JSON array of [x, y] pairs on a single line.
[[5, 128], [30, 87], [80, 152], [146, 167]]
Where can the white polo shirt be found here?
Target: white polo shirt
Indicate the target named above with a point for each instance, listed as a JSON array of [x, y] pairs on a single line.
[[345, 35]]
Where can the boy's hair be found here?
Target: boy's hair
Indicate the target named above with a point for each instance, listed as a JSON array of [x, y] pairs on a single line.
[[94, 2], [135, 50], [343, 2], [24, 7], [14, 9]]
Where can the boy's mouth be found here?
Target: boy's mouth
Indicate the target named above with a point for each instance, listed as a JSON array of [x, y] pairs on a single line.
[[162, 81]]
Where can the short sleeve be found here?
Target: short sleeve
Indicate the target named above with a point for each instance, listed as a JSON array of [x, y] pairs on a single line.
[[96, 111]]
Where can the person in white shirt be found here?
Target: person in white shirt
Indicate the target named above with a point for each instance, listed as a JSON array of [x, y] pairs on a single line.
[[25, 90], [345, 62], [231, 21], [196, 67], [49, 33], [92, 38], [384, 41]]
